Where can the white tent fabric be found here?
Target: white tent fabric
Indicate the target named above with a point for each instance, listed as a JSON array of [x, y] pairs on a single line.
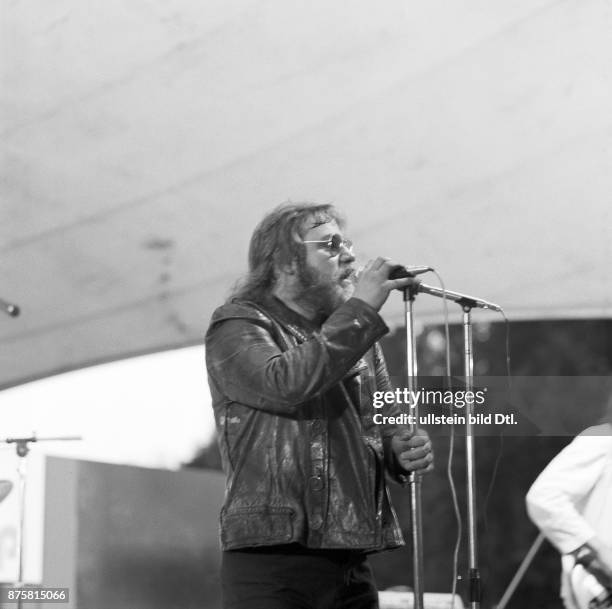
[[142, 140]]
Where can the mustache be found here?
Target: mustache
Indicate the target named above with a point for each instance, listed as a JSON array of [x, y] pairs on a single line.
[[310, 278], [348, 273]]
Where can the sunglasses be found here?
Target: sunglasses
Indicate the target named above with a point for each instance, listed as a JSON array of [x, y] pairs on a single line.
[[335, 244]]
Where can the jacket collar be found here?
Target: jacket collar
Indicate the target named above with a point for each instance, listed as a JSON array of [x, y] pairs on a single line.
[[288, 317]]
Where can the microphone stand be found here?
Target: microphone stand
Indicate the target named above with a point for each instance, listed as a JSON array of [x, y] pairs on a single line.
[[22, 448], [468, 362], [467, 303], [414, 479]]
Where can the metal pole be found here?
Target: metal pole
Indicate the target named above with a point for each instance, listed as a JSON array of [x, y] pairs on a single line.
[[414, 479], [516, 580], [474, 575], [21, 471], [22, 454]]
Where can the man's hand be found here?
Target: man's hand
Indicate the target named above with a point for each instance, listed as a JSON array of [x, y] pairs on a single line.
[[413, 451], [601, 566], [373, 283]]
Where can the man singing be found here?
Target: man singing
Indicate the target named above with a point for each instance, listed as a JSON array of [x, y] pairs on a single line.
[[293, 364]]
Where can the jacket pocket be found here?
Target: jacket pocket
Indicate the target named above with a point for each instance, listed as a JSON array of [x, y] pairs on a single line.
[[256, 525]]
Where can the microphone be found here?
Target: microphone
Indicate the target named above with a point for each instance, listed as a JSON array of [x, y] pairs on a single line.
[[9, 308], [401, 272]]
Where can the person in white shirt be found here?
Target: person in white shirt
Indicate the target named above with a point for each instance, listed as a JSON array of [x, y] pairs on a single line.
[[571, 503]]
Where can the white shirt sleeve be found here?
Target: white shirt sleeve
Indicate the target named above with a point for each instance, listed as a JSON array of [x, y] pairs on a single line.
[[556, 500]]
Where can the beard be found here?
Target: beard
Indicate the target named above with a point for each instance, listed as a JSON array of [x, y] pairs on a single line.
[[323, 295]]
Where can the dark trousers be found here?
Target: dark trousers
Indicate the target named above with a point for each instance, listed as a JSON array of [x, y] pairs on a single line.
[[293, 577]]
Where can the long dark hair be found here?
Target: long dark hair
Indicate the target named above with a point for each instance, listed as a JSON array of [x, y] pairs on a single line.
[[276, 243]]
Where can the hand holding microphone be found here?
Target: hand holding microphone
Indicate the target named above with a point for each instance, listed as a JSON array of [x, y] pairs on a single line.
[[378, 277]]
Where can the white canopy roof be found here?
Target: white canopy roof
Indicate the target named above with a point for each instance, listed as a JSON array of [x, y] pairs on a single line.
[[142, 140]]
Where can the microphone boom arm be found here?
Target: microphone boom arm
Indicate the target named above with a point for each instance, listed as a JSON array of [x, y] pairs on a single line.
[[461, 299]]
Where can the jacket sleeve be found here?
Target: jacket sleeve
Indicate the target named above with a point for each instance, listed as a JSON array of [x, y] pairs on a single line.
[[248, 366], [556, 498]]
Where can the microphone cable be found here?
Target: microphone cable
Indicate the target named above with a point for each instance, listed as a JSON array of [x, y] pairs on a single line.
[[500, 448], [451, 447]]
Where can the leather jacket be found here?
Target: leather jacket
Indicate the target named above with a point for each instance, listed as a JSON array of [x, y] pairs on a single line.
[[304, 461]]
